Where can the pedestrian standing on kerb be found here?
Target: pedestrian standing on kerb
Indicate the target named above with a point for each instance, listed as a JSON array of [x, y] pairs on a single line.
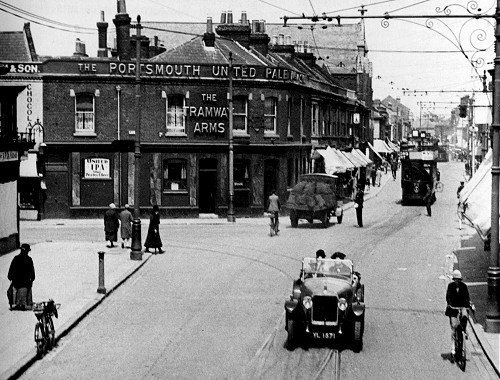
[[21, 274], [428, 200], [126, 226], [358, 205], [153, 239], [111, 224]]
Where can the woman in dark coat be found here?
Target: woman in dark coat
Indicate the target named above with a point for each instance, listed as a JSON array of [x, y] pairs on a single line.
[[153, 239], [22, 275], [111, 224]]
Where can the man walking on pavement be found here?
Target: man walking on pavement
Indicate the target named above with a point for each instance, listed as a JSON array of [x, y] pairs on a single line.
[[358, 205]]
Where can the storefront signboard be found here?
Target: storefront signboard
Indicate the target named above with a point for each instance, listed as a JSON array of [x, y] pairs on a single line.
[[96, 168]]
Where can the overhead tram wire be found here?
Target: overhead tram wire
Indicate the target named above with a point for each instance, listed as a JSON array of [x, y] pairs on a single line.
[[46, 25], [39, 18]]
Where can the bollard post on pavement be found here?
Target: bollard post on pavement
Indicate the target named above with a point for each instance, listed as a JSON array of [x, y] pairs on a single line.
[[101, 289]]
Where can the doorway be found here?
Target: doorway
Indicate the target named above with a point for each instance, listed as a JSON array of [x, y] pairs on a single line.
[[207, 185]]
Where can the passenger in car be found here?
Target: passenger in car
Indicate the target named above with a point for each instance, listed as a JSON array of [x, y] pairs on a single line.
[[338, 255], [356, 284]]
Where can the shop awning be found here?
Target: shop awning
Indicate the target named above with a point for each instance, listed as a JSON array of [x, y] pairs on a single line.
[[332, 163], [348, 164], [27, 168], [362, 156], [381, 147], [391, 145], [476, 197], [374, 151], [357, 162]]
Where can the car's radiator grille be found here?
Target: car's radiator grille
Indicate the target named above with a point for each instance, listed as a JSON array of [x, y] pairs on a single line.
[[324, 309]]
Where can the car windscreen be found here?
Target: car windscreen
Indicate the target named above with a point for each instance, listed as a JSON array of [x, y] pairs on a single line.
[[327, 267]]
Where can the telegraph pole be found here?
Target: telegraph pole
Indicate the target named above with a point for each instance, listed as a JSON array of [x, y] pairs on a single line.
[[136, 252]]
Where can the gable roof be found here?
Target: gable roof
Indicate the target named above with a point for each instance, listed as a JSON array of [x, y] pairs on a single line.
[[17, 46]]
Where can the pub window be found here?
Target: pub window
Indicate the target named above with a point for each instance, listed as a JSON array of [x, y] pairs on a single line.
[[84, 114], [270, 105], [240, 109], [174, 175], [315, 119], [175, 114]]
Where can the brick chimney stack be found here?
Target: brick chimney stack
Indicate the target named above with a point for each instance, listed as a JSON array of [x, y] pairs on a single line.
[[209, 36], [238, 32], [102, 28], [259, 40], [80, 49], [122, 23]]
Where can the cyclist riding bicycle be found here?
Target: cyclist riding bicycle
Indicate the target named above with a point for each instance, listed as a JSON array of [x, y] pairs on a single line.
[[457, 296], [274, 208]]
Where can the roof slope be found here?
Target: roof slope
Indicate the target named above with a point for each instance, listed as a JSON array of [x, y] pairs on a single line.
[[17, 46], [336, 46]]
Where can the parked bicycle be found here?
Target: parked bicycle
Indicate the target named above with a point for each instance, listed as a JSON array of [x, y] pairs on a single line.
[[45, 334], [273, 224]]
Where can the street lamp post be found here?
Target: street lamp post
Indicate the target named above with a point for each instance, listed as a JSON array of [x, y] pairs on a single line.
[[493, 314], [230, 208], [136, 246]]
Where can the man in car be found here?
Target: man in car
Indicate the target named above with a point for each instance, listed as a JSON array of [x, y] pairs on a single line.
[[457, 295]]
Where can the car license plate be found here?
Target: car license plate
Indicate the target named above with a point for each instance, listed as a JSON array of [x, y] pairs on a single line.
[[323, 335]]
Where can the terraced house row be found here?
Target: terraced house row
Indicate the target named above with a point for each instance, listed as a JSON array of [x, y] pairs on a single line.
[[286, 102]]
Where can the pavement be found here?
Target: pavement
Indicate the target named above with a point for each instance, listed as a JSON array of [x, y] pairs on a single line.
[[68, 272]]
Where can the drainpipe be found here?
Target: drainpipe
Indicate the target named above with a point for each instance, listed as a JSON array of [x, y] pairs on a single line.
[[118, 126]]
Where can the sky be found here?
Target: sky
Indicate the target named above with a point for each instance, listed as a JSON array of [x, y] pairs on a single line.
[[421, 65]]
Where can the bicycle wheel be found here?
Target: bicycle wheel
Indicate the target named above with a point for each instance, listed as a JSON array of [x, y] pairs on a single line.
[[39, 340], [459, 351], [51, 333], [463, 360]]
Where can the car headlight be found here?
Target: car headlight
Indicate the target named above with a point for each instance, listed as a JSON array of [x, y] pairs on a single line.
[[296, 292], [342, 304], [307, 302]]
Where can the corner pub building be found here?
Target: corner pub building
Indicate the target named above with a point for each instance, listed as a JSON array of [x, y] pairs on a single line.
[[283, 104]]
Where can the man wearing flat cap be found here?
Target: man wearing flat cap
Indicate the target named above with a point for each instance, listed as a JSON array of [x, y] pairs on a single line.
[[21, 274]]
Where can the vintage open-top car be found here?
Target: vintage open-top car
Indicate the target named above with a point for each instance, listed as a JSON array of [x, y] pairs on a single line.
[[325, 304]]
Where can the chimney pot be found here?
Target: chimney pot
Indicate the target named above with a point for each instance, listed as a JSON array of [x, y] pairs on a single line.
[[223, 18], [244, 20], [275, 40], [288, 40], [209, 25], [229, 17], [262, 26], [255, 26], [281, 39], [102, 16]]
